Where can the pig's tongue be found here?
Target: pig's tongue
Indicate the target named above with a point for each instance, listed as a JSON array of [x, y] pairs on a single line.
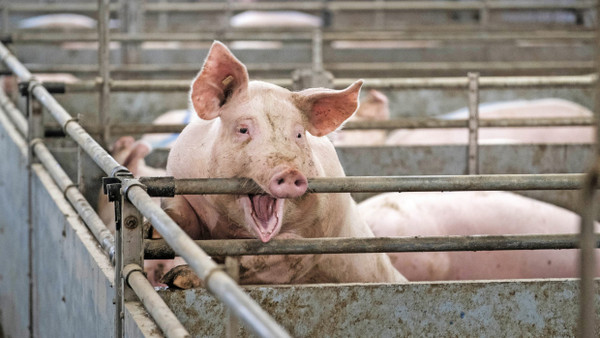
[[265, 215], [263, 207]]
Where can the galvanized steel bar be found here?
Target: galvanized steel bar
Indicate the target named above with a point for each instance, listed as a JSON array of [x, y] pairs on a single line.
[[498, 82], [156, 306], [216, 280], [310, 6], [408, 123], [587, 264], [169, 186], [300, 35], [159, 249], [473, 147], [509, 66], [65, 120], [104, 70], [78, 201]]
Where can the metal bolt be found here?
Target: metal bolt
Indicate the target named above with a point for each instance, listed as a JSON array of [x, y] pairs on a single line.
[[131, 222]]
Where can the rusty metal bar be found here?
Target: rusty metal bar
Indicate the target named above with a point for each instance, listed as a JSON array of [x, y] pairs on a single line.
[[473, 148], [216, 280], [158, 248], [156, 306], [169, 186]]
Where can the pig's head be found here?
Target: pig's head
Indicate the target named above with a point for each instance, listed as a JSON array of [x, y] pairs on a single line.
[[374, 107], [264, 132]]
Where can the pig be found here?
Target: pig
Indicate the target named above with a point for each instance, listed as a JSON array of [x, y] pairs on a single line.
[[276, 137], [472, 213], [541, 108], [375, 107], [165, 140]]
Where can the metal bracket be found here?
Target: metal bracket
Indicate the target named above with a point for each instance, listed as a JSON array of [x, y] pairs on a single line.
[[52, 87]]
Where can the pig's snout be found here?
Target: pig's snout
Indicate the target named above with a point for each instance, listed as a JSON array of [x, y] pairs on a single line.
[[288, 183]]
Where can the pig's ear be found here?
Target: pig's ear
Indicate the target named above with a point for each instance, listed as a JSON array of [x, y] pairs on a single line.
[[221, 77], [327, 109]]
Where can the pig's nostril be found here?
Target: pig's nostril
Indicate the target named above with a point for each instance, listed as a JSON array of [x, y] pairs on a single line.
[[299, 183], [280, 181]]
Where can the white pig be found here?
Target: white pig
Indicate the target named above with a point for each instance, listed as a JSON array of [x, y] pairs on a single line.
[[541, 108], [374, 107], [473, 213], [262, 131]]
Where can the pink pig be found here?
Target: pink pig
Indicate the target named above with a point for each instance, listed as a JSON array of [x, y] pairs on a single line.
[[262, 131], [473, 213]]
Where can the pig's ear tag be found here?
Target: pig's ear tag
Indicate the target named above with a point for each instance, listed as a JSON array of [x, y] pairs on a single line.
[[227, 81]]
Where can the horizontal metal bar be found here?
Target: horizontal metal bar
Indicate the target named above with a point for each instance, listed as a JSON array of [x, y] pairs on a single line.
[[332, 66], [158, 249], [507, 82], [485, 82], [456, 36], [73, 195], [154, 304], [102, 158], [216, 281], [309, 6], [169, 186], [403, 123]]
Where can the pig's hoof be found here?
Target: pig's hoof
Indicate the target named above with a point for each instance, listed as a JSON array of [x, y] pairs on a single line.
[[181, 277]]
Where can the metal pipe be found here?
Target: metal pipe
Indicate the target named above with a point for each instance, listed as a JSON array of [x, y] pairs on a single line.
[[159, 249], [566, 66], [104, 70], [498, 82], [78, 201], [454, 37], [65, 120], [215, 279], [473, 146], [169, 186], [309, 6], [156, 306], [402, 123]]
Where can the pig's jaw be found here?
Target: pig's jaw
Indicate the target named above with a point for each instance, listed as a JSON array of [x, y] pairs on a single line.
[[264, 214]]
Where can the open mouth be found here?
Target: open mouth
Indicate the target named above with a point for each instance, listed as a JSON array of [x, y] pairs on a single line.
[[264, 213]]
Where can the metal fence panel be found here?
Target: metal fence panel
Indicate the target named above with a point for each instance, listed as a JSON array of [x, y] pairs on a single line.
[[14, 286], [538, 308]]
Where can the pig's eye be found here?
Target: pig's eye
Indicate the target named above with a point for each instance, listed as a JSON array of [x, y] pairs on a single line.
[[243, 130], [299, 135]]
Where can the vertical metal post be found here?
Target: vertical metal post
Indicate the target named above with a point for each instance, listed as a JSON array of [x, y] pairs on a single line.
[[132, 22], [473, 123], [118, 300], [484, 14], [103, 64], [317, 51], [34, 134], [232, 267], [5, 17], [587, 264], [131, 237]]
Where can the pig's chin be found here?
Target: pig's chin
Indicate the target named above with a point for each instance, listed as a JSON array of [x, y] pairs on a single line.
[[263, 214]]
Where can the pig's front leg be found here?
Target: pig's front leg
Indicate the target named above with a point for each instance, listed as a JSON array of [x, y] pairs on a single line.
[[180, 210]]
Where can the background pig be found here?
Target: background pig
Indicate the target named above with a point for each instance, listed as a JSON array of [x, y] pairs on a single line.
[[542, 108], [374, 107], [274, 136], [166, 140], [472, 213]]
